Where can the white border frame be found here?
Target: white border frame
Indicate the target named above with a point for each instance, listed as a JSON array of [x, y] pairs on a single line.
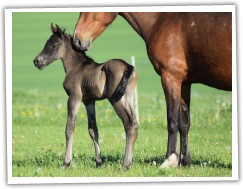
[[8, 58]]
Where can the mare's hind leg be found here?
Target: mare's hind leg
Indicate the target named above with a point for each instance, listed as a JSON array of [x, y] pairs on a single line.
[[73, 106], [184, 124], [93, 131], [126, 113]]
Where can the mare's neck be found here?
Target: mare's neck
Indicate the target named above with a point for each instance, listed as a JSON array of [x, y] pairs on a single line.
[[141, 22]]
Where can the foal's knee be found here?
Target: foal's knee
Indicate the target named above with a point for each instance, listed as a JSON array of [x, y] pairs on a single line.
[[68, 133], [131, 126]]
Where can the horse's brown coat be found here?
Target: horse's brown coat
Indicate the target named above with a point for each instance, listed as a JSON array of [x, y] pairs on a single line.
[[184, 48]]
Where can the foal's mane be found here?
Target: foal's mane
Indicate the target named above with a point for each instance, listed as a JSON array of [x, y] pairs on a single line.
[[80, 54]]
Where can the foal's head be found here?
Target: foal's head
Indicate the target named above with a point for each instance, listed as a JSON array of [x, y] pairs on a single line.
[[53, 49]]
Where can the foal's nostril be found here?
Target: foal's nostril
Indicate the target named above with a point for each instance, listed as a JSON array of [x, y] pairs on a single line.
[[35, 61]]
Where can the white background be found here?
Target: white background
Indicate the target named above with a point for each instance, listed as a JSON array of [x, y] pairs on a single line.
[[78, 3]]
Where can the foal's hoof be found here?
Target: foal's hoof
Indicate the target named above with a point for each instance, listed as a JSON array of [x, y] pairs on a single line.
[[170, 162], [126, 167], [98, 164], [65, 165]]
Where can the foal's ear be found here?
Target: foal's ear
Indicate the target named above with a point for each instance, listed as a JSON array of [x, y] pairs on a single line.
[[53, 29], [56, 30]]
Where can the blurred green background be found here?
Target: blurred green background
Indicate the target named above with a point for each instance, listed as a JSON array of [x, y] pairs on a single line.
[[31, 30]]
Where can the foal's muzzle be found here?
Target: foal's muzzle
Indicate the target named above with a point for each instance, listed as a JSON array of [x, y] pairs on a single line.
[[39, 63]]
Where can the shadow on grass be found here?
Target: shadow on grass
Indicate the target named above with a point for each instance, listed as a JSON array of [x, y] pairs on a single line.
[[39, 160], [57, 160], [213, 163], [160, 159]]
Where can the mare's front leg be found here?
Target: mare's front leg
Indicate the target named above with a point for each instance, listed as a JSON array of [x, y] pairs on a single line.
[[73, 106], [93, 131], [177, 96], [172, 89]]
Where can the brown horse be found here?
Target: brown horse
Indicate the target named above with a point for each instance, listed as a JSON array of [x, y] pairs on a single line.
[[184, 48], [88, 81]]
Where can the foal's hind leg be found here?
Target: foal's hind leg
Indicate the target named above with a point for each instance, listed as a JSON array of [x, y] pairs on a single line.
[[126, 113], [73, 106], [93, 131]]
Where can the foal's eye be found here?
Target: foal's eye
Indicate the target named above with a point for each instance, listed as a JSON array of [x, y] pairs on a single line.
[[54, 45]]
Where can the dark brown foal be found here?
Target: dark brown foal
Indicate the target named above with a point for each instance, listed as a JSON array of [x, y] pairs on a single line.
[[88, 81]]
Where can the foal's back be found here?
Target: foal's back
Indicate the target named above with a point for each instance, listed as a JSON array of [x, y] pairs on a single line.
[[98, 81]]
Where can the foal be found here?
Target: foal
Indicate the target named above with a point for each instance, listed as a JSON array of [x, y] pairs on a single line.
[[88, 81]]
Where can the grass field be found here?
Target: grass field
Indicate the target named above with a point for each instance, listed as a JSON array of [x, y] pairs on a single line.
[[39, 112]]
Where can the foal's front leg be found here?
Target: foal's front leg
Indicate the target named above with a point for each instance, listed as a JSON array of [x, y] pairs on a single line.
[[93, 131], [73, 106]]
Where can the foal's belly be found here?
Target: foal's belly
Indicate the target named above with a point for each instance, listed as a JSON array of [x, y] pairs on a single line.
[[93, 87]]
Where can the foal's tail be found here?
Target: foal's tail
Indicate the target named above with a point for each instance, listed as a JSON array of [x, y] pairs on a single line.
[[122, 86]]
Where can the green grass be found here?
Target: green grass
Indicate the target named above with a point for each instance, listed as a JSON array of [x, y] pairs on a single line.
[[39, 141], [39, 112]]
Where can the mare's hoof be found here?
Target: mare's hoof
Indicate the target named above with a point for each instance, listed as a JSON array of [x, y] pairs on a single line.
[[170, 162], [185, 160]]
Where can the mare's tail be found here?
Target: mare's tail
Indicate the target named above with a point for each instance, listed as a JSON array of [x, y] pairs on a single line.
[[122, 86]]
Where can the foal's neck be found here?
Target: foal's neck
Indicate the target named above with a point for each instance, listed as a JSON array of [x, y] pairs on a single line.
[[72, 57]]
